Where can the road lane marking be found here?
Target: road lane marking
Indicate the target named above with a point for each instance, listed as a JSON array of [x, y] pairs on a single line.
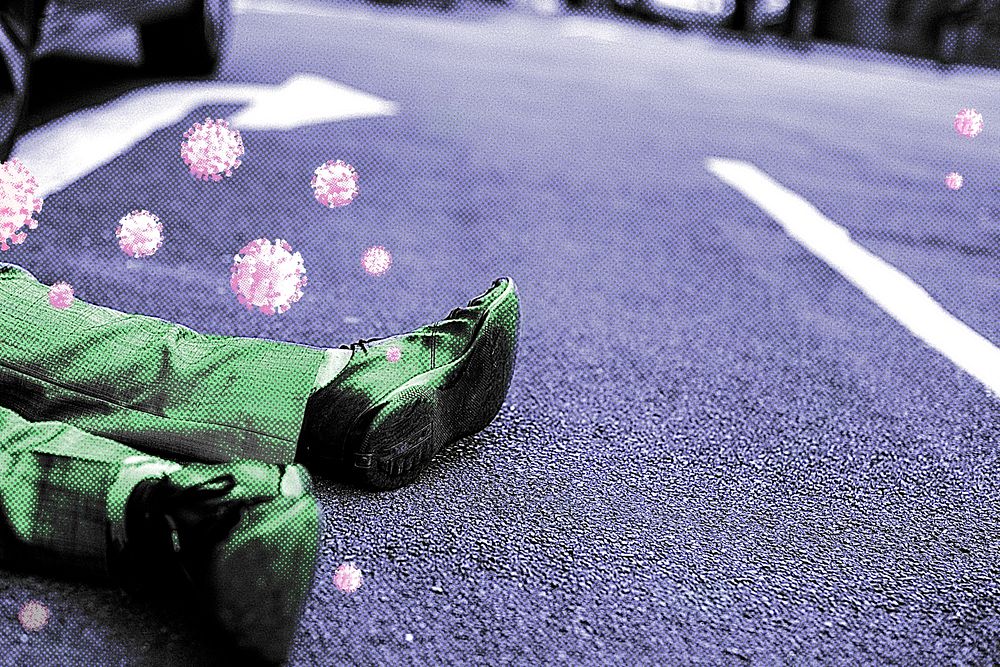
[[888, 287], [67, 149]]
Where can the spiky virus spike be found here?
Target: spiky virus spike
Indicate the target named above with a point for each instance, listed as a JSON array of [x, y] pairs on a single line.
[[140, 234], [212, 149], [267, 276], [61, 295], [335, 183], [18, 201], [953, 180], [968, 123]]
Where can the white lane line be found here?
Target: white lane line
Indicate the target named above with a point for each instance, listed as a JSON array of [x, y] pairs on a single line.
[[67, 149], [891, 289]]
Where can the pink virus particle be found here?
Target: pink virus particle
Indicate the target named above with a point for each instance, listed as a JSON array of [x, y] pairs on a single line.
[[33, 615], [18, 201], [267, 276], [347, 578], [393, 353], [212, 149], [61, 295], [968, 122], [953, 180], [335, 183], [376, 260], [140, 234]]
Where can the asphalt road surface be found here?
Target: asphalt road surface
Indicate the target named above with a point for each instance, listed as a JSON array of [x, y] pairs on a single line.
[[716, 449]]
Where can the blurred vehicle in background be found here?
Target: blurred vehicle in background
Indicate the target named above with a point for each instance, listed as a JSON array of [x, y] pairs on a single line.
[[183, 38], [178, 37], [747, 15]]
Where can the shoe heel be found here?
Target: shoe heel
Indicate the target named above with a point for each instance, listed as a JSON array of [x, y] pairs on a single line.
[[476, 398], [401, 439]]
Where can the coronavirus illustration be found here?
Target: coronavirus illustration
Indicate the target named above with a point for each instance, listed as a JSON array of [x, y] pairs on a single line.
[[953, 180], [393, 353], [268, 276], [61, 295], [140, 234], [968, 122], [33, 615], [376, 260], [212, 149], [335, 183], [18, 202], [347, 578]]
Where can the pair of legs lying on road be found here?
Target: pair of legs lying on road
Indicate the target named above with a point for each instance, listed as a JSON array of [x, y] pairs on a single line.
[[141, 450]]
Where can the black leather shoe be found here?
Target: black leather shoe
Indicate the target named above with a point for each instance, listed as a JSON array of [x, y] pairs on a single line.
[[242, 538], [401, 399]]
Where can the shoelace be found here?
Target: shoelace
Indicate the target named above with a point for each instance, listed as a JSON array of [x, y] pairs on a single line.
[[361, 343]]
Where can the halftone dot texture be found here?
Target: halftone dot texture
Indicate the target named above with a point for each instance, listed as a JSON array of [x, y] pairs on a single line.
[[953, 181], [33, 615], [140, 234], [259, 575], [968, 123], [347, 579], [392, 353], [268, 276], [61, 295], [212, 149], [149, 383], [715, 451], [18, 202], [335, 183], [376, 260]]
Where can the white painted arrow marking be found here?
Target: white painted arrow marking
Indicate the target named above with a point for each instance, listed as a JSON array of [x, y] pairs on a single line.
[[65, 150], [881, 282]]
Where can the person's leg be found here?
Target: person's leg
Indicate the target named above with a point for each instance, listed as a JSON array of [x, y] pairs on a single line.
[[377, 420], [148, 383], [244, 534]]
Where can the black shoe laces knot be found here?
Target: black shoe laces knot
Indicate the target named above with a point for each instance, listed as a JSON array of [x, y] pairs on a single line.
[[363, 343]]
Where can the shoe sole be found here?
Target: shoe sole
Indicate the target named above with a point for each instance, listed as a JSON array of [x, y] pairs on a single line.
[[400, 436]]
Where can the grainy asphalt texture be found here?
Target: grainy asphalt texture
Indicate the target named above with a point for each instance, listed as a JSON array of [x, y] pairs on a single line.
[[716, 451]]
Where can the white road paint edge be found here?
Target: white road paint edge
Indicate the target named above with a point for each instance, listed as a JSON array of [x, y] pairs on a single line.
[[888, 287], [65, 150]]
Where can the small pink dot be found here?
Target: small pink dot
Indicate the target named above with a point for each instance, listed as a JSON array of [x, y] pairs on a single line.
[[347, 578], [376, 260], [968, 122], [33, 615], [60, 295], [392, 354], [953, 181]]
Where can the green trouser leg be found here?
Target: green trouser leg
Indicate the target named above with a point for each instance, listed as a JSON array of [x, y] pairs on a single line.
[[63, 494], [147, 383]]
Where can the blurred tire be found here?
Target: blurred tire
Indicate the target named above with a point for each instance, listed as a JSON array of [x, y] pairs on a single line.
[[190, 44], [11, 105], [801, 20], [19, 25], [750, 16]]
